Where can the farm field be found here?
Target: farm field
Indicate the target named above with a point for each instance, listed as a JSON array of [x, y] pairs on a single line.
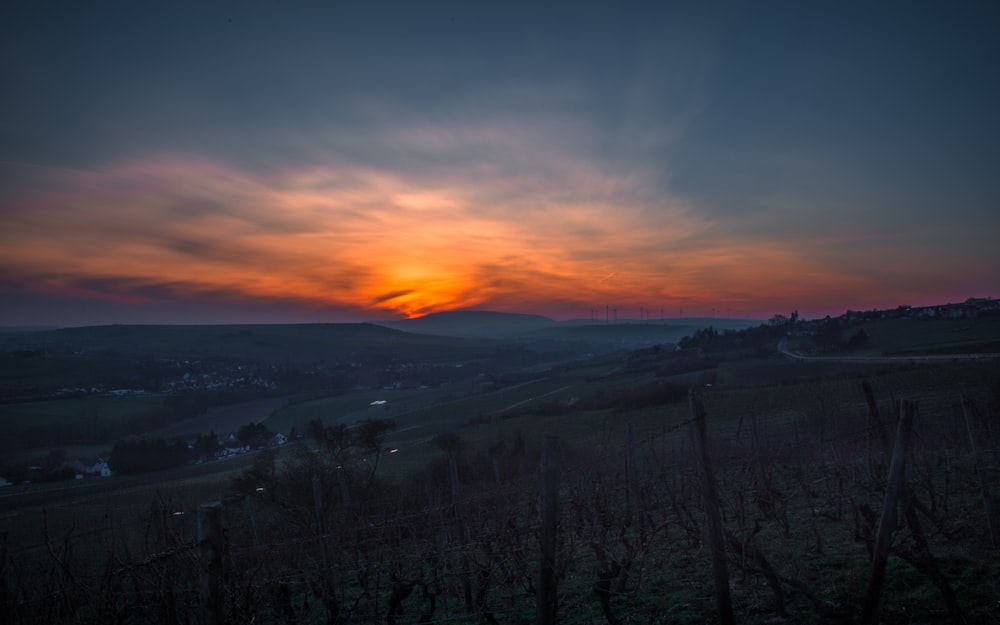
[[439, 514], [58, 412], [895, 337]]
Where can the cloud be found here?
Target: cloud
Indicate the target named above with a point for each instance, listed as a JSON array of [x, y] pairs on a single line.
[[418, 214], [506, 214]]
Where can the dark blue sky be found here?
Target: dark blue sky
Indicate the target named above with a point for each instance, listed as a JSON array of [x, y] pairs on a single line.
[[287, 161]]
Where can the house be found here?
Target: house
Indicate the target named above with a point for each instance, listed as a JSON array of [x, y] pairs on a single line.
[[959, 311], [278, 440], [984, 304], [234, 446], [100, 468], [4, 482]]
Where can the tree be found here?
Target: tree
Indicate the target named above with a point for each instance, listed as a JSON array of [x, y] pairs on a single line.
[[859, 339], [255, 434], [449, 442], [370, 437], [259, 476], [314, 430], [205, 447], [141, 455], [828, 335]]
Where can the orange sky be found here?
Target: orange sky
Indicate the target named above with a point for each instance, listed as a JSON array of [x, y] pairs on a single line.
[[170, 162], [383, 245]]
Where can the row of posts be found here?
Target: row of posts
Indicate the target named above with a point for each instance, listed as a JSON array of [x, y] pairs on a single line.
[[211, 542], [211, 539]]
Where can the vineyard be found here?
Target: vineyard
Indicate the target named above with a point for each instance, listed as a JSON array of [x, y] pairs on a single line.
[[862, 507]]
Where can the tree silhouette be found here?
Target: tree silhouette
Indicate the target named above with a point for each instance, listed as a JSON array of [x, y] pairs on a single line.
[[370, 437]]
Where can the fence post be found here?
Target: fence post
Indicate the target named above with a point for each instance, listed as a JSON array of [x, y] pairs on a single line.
[[345, 494], [460, 528], [629, 472], [715, 536], [978, 468], [874, 421], [317, 490], [210, 540], [4, 600], [252, 512], [546, 607], [887, 522]]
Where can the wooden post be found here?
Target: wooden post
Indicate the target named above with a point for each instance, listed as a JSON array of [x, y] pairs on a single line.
[[460, 529], [345, 494], [157, 516], [887, 522], [715, 535], [210, 539], [978, 468], [495, 457], [874, 421], [5, 608], [758, 453], [874, 427], [546, 606], [327, 594], [252, 513], [317, 488], [629, 472]]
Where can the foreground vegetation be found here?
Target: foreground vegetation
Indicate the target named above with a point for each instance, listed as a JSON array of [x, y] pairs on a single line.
[[333, 531], [431, 507]]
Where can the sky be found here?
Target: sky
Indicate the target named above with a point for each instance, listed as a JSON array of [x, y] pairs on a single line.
[[237, 162]]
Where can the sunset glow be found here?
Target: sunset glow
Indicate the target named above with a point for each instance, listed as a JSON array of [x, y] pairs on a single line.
[[555, 188]]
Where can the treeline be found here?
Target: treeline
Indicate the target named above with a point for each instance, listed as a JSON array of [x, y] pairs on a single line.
[[147, 454], [141, 455], [752, 339], [349, 458], [657, 393], [94, 428]]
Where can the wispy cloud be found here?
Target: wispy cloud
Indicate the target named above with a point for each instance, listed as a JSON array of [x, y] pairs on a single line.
[[419, 216]]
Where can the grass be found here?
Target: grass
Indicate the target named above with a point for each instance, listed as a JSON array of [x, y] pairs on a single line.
[[783, 410], [814, 433], [917, 336], [54, 413], [20, 371]]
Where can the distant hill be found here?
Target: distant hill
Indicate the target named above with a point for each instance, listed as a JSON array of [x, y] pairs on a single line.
[[477, 323], [19, 329], [633, 333], [624, 332], [259, 342]]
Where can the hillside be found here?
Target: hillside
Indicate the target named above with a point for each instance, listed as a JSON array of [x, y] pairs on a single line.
[[259, 342], [589, 334], [480, 323]]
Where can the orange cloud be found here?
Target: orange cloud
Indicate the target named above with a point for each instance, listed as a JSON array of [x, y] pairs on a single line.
[[569, 238]]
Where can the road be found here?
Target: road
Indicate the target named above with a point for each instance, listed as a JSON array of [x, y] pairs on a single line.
[[937, 358]]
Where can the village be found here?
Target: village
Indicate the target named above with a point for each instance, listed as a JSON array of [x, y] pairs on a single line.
[[140, 455]]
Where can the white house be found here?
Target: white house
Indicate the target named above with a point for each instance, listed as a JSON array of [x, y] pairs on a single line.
[[278, 439], [100, 468]]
